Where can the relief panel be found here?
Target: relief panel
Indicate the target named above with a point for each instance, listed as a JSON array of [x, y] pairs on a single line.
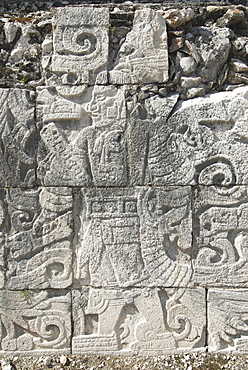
[[18, 142], [134, 237], [199, 141], [83, 139], [143, 56], [221, 236], [80, 43], [138, 320], [34, 322], [228, 320], [3, 229], [39, 238]]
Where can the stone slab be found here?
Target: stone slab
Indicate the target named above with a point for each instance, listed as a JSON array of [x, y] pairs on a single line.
[[227, 320], [3, 229], [221, 236], [35, 322], [134, 237], [138, 321], [198, 141], [83, 140], [143, 56], [39, 237], [18, 141], [80, 45]]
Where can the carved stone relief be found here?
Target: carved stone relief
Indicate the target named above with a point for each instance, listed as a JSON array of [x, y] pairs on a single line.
[[221, 236], [83, 139], [39, 238], [18, 140], [201, 141], [143, 56], [34, 322], [123, 208], [138, 320], [80, 45], [134, 237], [228, 329]]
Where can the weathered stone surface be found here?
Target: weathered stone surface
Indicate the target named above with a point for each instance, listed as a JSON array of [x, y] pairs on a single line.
[[202, 141], [18, 141], [123, 198], [212, 45], [227, 323], [143, 57], [177, 17], [82, 136], [134, 237], [35, 322], [138, 321], [221, 232], [2, 238], [39, 238], [81, 45]]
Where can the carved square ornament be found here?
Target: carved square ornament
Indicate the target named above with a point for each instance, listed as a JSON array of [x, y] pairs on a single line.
[[80, 44]]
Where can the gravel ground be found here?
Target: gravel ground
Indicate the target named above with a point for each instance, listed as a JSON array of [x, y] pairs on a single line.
[[193, 361]]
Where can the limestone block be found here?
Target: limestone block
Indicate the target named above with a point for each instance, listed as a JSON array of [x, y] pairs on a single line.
[[134, 237], [227, 320], [35, 322], [81, 44], [221, 236], [143, 57], [198, 141], [83, 139], [2, 237], [39, 238], [17, 138], [138, 321]]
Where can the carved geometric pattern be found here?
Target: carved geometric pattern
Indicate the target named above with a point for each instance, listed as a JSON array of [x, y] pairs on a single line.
[[228, 313], [123, 207], [138, 320]]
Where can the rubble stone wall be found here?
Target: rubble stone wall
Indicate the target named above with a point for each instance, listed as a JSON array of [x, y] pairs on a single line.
[[123, 178]]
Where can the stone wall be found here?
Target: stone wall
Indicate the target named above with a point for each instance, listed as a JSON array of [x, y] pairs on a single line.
[[123, 178]]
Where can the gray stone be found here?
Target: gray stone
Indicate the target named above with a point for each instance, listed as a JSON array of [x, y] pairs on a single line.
[[177, 17], [39, 238], [143, 57], [187, 82], [231, 17], [63, 360], [17, 137], [195, 91], [188, 65], [81, 44], [239, 65], [26, 315], [138, 321], [10, 30], [203, 141], [47, 361], [83, 138], [212, 45], [227, 324], [221, 236], [24, 44], [134, 237], [6, 364]]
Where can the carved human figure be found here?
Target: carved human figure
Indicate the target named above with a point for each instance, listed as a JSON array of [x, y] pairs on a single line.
[[102, 145], [83, 131]]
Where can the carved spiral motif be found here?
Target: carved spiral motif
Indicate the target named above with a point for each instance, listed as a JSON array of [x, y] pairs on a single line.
[[52, 331], [79, 42], [217, 171]]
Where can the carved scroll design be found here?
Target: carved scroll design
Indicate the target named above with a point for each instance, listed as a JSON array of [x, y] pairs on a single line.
[[31, 321]]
